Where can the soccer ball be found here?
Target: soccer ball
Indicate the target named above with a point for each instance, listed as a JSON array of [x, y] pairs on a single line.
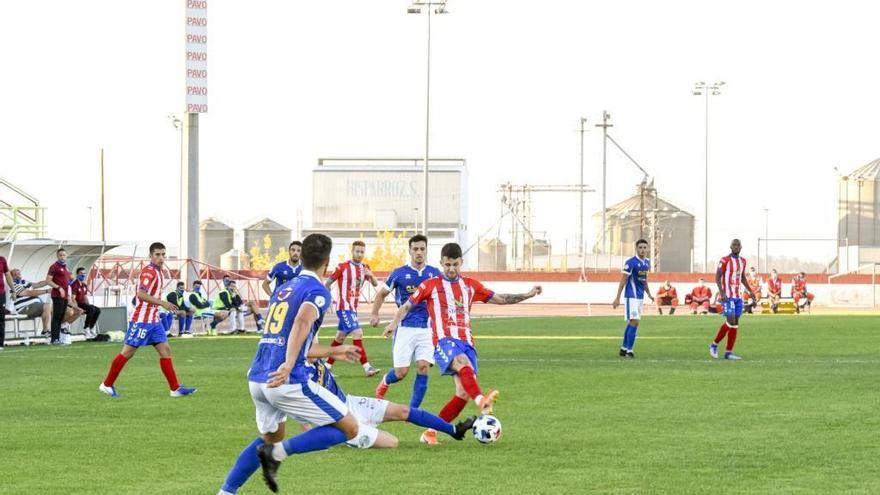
[[487, 429]]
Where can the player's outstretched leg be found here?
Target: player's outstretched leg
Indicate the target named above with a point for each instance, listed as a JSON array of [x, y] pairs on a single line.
[[272, 454], [245, 466], [389, 378], [731, 341]]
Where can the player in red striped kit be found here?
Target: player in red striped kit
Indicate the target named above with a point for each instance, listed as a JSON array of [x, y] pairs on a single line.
[[449, 298], [350, 277], [731, 280], [144, 327]]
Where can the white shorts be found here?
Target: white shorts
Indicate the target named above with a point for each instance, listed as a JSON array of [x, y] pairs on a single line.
[[632, 308], [307, 403], [412, 344], [367, 410]]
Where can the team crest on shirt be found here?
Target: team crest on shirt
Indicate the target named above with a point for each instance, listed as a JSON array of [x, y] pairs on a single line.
[[284, 293], [411, 289]]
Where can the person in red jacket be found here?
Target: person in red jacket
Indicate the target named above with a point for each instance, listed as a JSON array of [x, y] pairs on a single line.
[[700, 297], [667, 296], [774, 290], [799, 291]]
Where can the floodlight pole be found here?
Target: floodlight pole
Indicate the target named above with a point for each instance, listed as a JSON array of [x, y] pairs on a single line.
[[714, 89], [581, 195], [416, 8]]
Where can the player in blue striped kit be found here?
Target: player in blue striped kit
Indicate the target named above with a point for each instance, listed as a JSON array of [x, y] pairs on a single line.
[[635, 282]]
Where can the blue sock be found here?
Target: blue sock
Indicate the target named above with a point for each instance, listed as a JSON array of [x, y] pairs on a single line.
[[320, 438], [188, 324], [165, 319], [259, 318], [428, 420], [420, 387], [391, 377], [632, 336], [246, 465], [213, 324], [181, 322], [625, 344]]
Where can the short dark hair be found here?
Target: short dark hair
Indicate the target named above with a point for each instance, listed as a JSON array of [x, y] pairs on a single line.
[[181, 284], [59, 250], [231, 282], [316, 251], [418, 238], [156, 246], [641, 241], [451, 250], [358, 243], [294, 243], [80, 269], [197, 282]]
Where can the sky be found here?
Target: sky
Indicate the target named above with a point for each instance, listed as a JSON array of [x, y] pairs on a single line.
[[290, 82]]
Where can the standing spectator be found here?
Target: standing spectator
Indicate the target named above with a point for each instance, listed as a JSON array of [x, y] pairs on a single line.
[[31, 299], [667, 296], [774, 290], [700, 297], [799, 291], [5, 279], [80, 295], [755, 283], [58, 278]]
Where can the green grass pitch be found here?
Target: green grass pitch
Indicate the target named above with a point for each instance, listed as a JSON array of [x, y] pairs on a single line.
[[798, 415]]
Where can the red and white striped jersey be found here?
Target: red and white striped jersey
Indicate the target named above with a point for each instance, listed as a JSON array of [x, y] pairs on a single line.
[[349, 278], [151, 282], [732, 269], [449, 305], [774, 286]]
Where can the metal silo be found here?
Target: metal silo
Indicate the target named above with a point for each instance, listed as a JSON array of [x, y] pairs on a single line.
[[858, 228], [255, 235], [215, 238], [493, 256]]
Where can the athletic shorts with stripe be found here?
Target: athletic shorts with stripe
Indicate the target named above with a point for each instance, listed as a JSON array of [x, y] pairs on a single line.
[[632, 308], [307, 403]]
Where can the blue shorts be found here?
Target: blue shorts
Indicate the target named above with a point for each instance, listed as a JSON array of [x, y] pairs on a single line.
[[446, 351], [733, 307], [141, 334], [348, 321]]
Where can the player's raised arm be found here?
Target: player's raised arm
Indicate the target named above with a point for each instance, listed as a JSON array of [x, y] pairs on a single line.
[[305, 318], [514, 298], [348, 353], [377, 305]]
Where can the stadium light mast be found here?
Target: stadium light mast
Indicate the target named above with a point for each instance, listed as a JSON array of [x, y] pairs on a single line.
[[430, 7], [701, 88], [581, 196]]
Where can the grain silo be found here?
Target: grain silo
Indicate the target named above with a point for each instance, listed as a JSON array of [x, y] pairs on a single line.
[[215, 238], [858, 227], [668, 229], [255, 235], [493, 256]]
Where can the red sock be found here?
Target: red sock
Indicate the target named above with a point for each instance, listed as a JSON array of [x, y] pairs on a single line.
[[469, 382], [731, 338], [360, 345], [115, 368], [722, 332], [333, 344], [452, 408], [168, 371]]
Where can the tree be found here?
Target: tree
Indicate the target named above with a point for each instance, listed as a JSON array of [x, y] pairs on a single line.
[[390, 251], [262, 259]]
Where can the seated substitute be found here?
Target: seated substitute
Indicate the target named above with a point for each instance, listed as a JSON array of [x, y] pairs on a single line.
[[774, 290], [700, 297], [80, 293], [800, 293], [755, 283], [667, 296]]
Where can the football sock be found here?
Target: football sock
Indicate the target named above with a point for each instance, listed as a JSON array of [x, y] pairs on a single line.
[[629, 338], [245, 466], [360, 345], [181, 324], [452, 408], [731, 337], [319, 438], [333, 344], [168, 371], [722, 332], [115, 368], [240, 321], [390, 377], [259, 319], [420, 387], [213, 324], [427, 420], [188, 324], [469, 382]]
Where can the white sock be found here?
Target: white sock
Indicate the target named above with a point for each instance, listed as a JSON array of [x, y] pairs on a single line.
[[278, 452], [478, 399], [366, 366], [224, 492]]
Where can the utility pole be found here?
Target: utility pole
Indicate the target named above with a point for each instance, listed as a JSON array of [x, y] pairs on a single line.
[[581, 196], [604, 125], [700, 89], [102, 196]]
